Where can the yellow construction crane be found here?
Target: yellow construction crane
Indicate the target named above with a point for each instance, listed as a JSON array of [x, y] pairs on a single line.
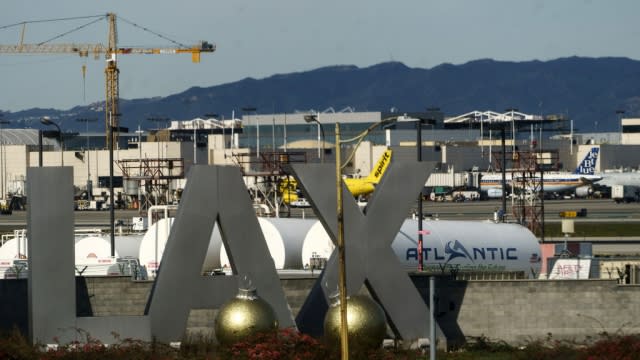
[[110, 52]]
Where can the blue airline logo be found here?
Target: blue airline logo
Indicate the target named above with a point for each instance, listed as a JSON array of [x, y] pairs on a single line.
[[455, 249], [588, 164]]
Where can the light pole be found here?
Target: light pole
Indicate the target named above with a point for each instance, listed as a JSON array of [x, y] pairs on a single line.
[[139, 132], [273, 134], [3, 155], [195, 141], [504, 173], [620, 113], [418, 122], [248, 110], [314, 118], [284, 133], [342, 271], [513, 130], [47, 121], [422, 232], [89, 182], [39, 148], [112, 220]]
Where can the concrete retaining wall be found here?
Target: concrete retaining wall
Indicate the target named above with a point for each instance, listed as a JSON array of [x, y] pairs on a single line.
[[117, 295], [121, 296], [519, 311], [515, 311]]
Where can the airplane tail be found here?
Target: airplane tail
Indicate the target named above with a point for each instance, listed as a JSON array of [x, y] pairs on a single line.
[[588, 165], [381, 166], [287, 189]]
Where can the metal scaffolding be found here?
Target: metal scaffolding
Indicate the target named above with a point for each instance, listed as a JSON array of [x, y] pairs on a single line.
[[526, 170], [148, 181], [263, 175]]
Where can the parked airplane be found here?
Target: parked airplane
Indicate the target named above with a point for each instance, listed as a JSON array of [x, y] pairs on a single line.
[[289, 192], [366, 185], [583, 175], [621, 178], [611, 179]]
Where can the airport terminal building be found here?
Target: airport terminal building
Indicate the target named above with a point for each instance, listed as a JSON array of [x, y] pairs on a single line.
[[156, 161]]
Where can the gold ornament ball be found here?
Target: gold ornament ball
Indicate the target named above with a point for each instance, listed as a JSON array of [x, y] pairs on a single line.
[[243, 316], [366, 324]]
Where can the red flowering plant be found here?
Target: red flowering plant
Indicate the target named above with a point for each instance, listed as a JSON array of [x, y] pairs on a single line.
[[283, 344], [618, 347], [288, 344], [91, 348]]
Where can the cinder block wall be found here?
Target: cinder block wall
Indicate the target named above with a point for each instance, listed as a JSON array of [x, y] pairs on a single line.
[[520, 311], [121, 296], [117, 295], [515, 311]]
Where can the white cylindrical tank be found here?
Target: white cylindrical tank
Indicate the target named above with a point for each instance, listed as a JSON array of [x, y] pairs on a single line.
[[154, 240], [85, 247], [128, 245], [284, 239], [93, 247], [274, 243], [317, 244], [469, 245], [466, 245], [100, 246], [293, 233], [212, 261], [152, 244], [14, 249]]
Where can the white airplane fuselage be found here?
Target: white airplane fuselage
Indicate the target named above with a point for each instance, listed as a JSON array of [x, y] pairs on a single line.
[[625, 178], [552, 182]]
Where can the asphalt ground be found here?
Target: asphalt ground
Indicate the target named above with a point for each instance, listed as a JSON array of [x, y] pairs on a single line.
[[604, 210], [596, 210]]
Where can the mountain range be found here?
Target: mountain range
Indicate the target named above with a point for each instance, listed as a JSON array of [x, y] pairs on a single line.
[[587, 90]]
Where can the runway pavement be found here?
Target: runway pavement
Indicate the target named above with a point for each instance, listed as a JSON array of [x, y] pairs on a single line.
[[597, 210], [98, 219]]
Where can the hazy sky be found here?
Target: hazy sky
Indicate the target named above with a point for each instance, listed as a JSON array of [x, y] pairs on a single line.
[[258, 38]]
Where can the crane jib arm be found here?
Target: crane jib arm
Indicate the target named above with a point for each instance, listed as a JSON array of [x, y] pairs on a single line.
[[109, 52], [99, 49]]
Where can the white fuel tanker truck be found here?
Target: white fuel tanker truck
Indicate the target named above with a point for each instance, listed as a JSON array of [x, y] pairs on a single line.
[[461, 245]]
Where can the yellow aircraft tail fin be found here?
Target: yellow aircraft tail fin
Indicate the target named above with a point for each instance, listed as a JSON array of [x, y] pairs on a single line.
[[287, 189], [381, 166]]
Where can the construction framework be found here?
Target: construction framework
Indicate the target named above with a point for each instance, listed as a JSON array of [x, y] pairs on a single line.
[[154, 176], [526, 169], [265, 173]]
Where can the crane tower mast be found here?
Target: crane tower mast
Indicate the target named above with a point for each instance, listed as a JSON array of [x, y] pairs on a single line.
[[112, 94]]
